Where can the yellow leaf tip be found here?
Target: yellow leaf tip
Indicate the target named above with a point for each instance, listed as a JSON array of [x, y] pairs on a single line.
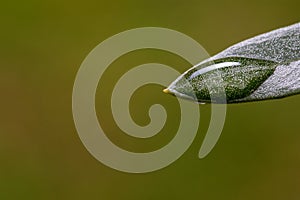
[[166, 91]]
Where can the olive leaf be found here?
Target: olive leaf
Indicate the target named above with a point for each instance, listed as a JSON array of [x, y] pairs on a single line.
[[263, 67]]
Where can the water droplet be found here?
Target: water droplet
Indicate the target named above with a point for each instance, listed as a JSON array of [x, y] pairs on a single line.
[[237, 76]]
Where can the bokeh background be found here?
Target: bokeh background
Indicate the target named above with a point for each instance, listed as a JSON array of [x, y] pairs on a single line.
[[42, 44]]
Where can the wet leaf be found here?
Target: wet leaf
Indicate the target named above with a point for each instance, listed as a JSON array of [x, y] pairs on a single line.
[[264, 67]]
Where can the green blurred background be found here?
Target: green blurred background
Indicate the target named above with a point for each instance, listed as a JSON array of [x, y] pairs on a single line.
[[41, 156]]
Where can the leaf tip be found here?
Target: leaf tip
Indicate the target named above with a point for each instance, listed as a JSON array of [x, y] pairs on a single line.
[[167, 91]]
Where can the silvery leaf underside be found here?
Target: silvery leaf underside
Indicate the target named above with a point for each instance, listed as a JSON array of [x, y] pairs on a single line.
[[263, 67]]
